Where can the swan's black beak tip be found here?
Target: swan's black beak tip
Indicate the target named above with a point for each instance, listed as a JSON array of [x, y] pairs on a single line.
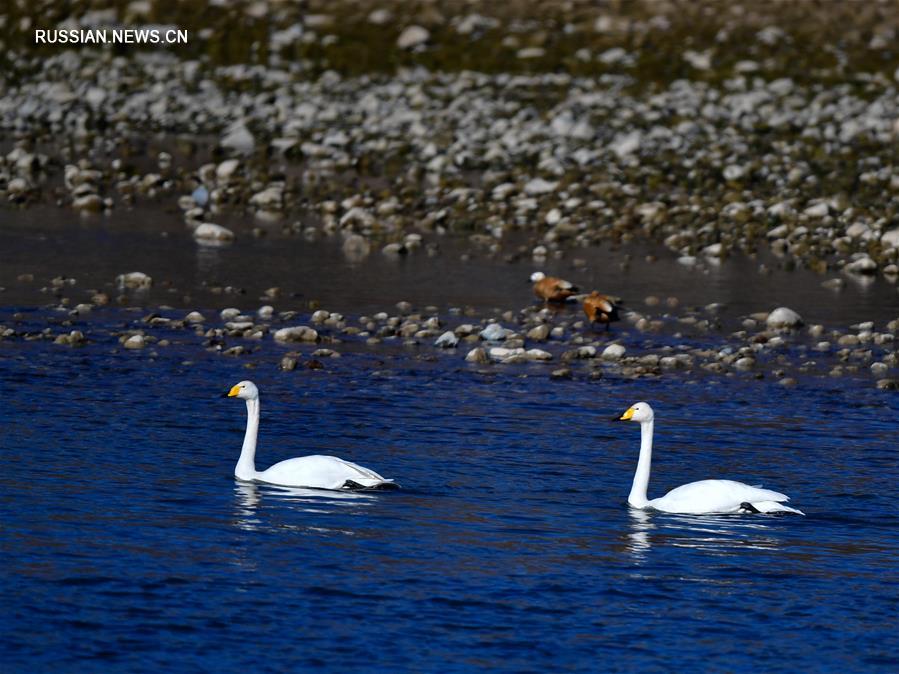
[[225, 394], [616, 417]]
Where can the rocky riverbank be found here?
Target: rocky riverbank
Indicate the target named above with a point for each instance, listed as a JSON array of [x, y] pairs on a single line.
[[723, 155]]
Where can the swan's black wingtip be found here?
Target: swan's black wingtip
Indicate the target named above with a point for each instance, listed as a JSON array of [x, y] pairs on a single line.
[[383, 486]]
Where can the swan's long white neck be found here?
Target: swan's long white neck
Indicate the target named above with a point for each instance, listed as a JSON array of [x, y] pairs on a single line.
[[246, 464], [637, 497]]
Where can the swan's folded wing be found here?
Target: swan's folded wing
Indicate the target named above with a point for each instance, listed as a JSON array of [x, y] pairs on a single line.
[[322, 472], [713, 496]]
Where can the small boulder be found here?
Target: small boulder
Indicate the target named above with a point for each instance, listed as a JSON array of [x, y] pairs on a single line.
[[134, 280], [477, 355], [613, 352], [494, 333], [783, 317], [539, 333], [208, 232], [135, 342], [298, 333], [447, 340], [413, 36]]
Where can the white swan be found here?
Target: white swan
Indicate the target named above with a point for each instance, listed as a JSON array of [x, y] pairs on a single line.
[[319, 472], [696, 498]]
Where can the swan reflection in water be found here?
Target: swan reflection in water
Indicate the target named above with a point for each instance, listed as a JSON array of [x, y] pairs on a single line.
[[718, 534], [250, 497]]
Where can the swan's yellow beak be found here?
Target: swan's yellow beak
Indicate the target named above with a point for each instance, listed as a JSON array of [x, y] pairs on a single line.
[[234, 391], [627, 415]]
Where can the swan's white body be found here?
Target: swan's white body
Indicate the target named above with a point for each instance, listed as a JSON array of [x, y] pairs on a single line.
[[316, 471], [706, 497]]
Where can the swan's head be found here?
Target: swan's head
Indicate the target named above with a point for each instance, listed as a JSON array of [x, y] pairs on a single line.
[[245, 389], [640, 412], [537, 276]]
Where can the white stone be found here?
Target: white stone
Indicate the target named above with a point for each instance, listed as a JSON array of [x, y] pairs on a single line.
[[226, 170], [778, 232], [857, 229], [863, 265], [298, 333], [477, 355], [890, 239], [613, 352], [715, 250], [734, 172], [413, 36], [208, 231], [745, 363], [134, 280], [781, 210], [135, 342], [447, 340], [818, 210], [270, 198], [783, 317], [699, 60], [494, 332], [380, 17], [531, 53], [238, 138], [626, 144], [507, 355], [612, 56]]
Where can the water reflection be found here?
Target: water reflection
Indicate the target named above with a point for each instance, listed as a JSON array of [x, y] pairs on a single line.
[[718, 534], [721, 534], [639, 541], [251, 497], [208, 259]]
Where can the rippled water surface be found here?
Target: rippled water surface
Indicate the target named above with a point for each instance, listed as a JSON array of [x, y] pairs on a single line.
[[128, 546]]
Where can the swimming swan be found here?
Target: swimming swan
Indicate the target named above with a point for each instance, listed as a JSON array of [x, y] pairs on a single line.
[[696, 498], [319, 472]]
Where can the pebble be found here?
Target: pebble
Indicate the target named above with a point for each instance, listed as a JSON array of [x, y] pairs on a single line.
[[299, 333], [862, 265], [477, 355], [134, 280], [210, 232], [494, 333], [879, 369], [448, 340], [413, 36], [783, 317], [135, 342], [613, 352], [539, 333]]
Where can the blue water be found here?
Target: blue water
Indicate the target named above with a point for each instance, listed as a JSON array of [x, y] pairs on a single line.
[[129, 547]]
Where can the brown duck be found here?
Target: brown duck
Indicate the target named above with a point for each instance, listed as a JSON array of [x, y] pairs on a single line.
[[601, 308], [552, 289]]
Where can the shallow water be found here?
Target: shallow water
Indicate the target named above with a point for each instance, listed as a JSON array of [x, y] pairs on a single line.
[[129, 546], [48, 242]]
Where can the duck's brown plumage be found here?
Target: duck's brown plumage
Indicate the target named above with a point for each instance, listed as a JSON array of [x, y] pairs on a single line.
[[601, 308], [551, 289]]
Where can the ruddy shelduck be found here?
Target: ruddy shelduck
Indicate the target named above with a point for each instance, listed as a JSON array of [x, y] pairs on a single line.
[[601, 308], [552, 289]]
